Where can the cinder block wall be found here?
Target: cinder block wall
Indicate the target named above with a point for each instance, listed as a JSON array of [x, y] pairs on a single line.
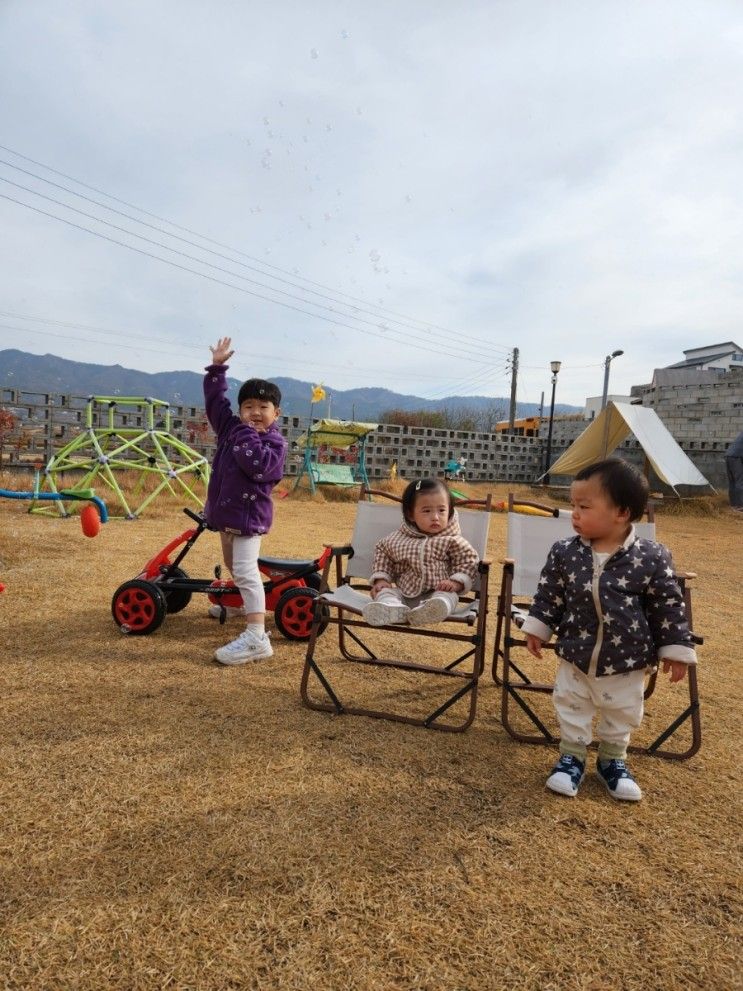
[[704, 418]]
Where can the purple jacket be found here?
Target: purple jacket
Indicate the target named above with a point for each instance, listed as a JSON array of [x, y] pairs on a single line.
[[246, 466]]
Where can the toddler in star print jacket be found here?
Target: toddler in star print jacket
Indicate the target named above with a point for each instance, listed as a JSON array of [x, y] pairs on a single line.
[[616, 608]]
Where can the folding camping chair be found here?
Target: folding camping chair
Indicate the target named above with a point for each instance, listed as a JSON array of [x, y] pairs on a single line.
[[343, 605], [529, 540]]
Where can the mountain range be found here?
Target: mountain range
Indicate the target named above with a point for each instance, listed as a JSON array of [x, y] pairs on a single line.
[[48, 374]]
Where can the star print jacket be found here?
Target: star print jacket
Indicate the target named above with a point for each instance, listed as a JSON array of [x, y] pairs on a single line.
[[621, 617], [416, 562], [246, 466]]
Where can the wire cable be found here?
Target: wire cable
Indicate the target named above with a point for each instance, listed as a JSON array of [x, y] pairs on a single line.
[[217, 281], [394, 335], [406, 321]]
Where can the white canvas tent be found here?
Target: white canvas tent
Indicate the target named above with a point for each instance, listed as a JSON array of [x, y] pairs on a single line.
[[611, 427]]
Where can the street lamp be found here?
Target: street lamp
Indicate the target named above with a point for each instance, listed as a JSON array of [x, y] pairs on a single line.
[[607, 362], [554, 368]]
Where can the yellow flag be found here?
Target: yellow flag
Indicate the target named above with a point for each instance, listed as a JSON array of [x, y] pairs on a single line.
[[318, 394]]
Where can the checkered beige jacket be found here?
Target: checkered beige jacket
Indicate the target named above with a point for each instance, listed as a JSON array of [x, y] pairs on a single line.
[[416, 561]]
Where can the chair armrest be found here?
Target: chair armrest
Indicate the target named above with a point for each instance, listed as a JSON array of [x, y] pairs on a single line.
[[345, 550]]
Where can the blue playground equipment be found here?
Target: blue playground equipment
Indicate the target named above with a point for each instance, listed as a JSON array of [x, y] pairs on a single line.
[[90, 518]]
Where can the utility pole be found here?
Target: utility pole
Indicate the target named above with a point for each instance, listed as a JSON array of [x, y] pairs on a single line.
[[514, 374]]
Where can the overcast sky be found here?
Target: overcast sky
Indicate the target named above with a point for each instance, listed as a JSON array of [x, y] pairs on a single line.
[[395, 193]]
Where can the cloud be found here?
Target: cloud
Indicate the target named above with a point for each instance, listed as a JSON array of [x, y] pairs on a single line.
[[557, 178]]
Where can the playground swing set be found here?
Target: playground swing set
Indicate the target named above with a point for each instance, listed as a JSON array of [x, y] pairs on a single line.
[[346, 438]]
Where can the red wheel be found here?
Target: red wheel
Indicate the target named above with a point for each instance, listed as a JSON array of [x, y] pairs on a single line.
[[138, 607], [294, 612]]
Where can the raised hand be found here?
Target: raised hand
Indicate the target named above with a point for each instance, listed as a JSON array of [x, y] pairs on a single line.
[[222, 351]]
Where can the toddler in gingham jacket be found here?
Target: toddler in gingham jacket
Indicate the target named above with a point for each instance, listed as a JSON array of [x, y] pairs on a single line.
[[420, 570]]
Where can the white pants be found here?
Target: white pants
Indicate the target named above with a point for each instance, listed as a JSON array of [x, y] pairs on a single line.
[[241, 558], [394, 597], [578, 697]]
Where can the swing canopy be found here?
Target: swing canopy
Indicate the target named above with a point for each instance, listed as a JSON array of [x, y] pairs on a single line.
[[335, 433]]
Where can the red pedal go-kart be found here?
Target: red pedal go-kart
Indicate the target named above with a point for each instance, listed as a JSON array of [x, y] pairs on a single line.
[[140, 605]]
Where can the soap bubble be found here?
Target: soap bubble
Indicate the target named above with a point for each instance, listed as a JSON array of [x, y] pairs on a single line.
[[374, 255], [359, 111], [408, 198], [324, 244], [383, 327], [328, 127], [125, 628], [357, 237], [327, 216], [267, 251], [345, 35], [295, 271], [270, 133], [266, 121], [314, 53], [338, 192], [281, 103]]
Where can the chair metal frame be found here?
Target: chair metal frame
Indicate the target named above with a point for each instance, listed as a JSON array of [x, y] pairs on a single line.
[[516, 684], [352, 630]]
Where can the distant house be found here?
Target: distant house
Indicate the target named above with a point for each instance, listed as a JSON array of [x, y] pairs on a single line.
[[713, 357], [593, 404]]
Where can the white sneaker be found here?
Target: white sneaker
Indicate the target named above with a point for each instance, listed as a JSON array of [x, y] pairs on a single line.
[[215, 611], [246, 647], [382, 614], [430, 611]]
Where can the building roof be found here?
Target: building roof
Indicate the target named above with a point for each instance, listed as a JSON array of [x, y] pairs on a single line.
[[701, 360], [727, 345]]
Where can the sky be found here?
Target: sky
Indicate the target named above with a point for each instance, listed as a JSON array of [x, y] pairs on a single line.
[[394, 194]]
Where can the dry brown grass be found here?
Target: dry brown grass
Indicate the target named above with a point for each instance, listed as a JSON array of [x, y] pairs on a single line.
[[168, 823]]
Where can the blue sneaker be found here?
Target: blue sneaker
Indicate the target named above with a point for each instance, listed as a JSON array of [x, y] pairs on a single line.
[[618, 780], [566, 775]]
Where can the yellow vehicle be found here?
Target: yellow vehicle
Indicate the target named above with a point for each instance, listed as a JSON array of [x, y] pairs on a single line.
[[527, 426]]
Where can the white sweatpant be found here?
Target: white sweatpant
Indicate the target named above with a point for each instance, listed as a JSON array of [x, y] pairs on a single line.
[[394, 597], [241, 558], [616, 698]]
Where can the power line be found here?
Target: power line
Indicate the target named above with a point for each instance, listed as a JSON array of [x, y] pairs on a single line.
[[199, 261], [406, 321], [249, 292], [183, 240], [281, 359], [469, 382]]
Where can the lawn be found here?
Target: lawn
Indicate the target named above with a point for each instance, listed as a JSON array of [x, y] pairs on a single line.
[[170, 823]]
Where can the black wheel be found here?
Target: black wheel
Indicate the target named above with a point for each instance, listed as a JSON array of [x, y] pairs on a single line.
[[176, 598], [294, 611], [314, 580], [138, 607]]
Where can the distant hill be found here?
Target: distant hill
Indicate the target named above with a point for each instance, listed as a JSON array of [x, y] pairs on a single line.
[[48, 373]]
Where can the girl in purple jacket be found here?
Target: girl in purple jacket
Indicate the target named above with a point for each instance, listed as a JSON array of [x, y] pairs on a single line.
[[248, 462]]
